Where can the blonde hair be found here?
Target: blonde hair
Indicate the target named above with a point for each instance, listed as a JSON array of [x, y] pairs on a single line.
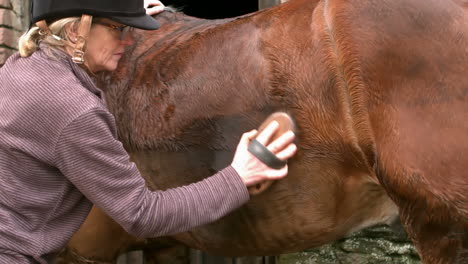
[[29, 41]]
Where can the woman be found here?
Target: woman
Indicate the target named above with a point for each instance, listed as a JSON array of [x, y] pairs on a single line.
[[58, 148]]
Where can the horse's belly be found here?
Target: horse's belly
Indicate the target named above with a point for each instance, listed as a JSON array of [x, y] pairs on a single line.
[[301, 211]]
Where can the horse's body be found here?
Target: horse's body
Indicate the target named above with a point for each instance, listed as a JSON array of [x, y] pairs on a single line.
[[379, 92]]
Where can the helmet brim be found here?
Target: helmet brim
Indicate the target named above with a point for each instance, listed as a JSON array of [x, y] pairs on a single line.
[[142, 22]]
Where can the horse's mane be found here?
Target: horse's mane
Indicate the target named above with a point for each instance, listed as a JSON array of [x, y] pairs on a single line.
[[173, 9], [173, 14]]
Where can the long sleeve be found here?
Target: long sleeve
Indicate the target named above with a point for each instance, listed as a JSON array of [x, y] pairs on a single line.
[[91, 158]]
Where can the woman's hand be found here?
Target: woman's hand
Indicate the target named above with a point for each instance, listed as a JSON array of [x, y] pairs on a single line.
[[251, 169], [153, 7]]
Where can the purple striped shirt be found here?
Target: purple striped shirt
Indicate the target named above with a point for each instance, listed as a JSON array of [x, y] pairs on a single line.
[[59, 154]]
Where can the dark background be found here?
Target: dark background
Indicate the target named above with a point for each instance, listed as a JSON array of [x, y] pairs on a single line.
[[214, 8]]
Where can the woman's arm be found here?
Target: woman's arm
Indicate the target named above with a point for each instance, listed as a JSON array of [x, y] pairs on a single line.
[[89, 155]]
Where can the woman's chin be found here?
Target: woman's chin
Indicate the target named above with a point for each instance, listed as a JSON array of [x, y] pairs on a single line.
[[110, 66]]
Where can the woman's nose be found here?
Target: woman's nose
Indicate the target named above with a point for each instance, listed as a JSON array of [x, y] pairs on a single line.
[[128, 39]]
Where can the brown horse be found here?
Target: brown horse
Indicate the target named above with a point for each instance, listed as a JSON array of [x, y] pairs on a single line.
[[378, 89]]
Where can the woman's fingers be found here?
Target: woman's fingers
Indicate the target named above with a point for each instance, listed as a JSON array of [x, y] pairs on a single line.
[[153, 7], [276, 174], [287, 153], [246, 137], [251, 169], [266, 134], [281, 142]]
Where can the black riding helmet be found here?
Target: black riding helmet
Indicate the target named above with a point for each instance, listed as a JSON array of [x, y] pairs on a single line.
[[128, 12]]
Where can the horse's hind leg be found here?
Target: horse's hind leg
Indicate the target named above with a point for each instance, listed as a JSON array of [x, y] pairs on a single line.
[[438, 243]]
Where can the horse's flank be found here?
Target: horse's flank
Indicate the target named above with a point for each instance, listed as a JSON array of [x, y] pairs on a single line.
[[200, 83], [364, 80]]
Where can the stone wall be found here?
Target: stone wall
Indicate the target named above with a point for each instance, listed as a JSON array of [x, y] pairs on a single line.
[[375, 245], [14, 20]]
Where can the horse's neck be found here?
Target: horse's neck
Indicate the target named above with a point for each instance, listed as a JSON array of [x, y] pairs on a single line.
[[209, 66], [188, 70]]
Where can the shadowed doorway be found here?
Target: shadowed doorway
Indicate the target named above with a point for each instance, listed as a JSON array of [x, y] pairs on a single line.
[[213, 9]]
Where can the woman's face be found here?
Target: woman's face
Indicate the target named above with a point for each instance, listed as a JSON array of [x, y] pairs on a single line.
[[105, 45]]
